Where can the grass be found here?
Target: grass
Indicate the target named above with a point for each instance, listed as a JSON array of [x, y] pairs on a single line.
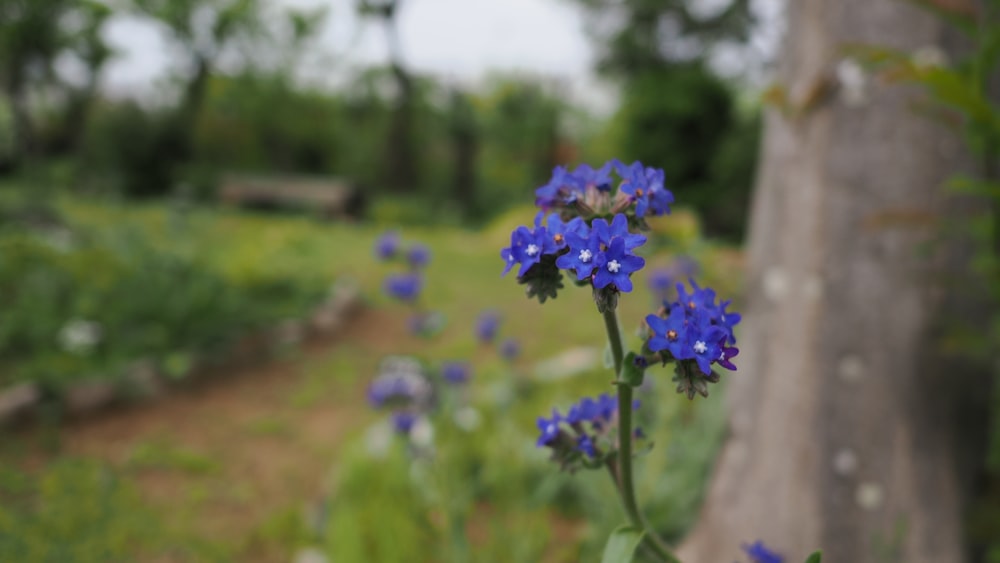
[[253, 468]]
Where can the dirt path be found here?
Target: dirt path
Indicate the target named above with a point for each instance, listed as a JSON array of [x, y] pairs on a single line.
[[231, 452]]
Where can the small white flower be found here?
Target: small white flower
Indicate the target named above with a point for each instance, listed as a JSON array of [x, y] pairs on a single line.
[[614, 266], [422, 433], [531, 250], [700, 347], [79, 335], [467, 419], [586, 255]]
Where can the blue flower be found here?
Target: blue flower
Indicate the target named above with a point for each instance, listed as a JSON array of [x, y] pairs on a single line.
[[405, 287], [727, 353], [658, 197], [704, 338], [387, 245], [557, 229], [587, 410], [510, 349], [487, 325], [599, 412], [455, 373], [697, 299], [703, 300], [398, 388], [727, 321], [661, 281], [670, 334], [586, 177], [759, 553], [526, 248], [582, 255], [585, 444], [418, 256], [615, 266], [403, 421], [549, 428], [618, 228], [563, 189], [644, 186]]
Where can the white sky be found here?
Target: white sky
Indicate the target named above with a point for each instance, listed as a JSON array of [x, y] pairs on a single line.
[[456, 40]]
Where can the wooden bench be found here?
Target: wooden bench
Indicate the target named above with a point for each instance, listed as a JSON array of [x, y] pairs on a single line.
[[331, 198]]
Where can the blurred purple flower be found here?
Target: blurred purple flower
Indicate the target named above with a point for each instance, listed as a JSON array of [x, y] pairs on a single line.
[[405, 287], [455, 373], [387, 245], [759, 553], [403, 421], [487, 325], [510, 349], [419, 255]]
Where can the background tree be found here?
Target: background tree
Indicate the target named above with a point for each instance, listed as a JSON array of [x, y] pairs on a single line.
[[675, 110], [33, 33], [204, 30], [850, 428], [401, 163]]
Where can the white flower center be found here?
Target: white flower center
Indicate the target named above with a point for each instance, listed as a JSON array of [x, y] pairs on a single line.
[[700, 347], [614, 266], [531, 250], [722, 356], [586, 255], [551, 429]]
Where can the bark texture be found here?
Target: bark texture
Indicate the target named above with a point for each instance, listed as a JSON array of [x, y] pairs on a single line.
[[844, 433]]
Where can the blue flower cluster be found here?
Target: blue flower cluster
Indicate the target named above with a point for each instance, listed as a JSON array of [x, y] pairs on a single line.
[[401, 382], [588, 191], [404, 387], [589, 419], [486, 330], [695, 328], [403, 286], [599, 252], [576, 236]]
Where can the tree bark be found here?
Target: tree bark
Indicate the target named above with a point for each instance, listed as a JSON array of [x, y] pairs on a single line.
[[847, 428]]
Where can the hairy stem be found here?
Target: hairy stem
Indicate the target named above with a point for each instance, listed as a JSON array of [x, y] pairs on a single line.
[[624, 474]]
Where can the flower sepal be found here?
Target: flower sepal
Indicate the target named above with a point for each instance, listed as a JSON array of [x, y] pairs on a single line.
[[542, 280], [606, 299], [690, 380]]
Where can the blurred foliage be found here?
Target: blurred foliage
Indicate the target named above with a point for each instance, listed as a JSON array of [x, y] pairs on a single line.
[[637, 36], [132, 296], [675, 112], [482, 486], [684, 119], [74, 511], [469, 152]]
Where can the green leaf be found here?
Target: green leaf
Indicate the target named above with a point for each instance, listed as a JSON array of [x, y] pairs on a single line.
[[816, 557], [631, 374], [621, 544]]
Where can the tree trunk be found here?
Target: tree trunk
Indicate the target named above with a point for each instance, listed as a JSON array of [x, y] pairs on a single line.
[[465, 149], [847, 424]]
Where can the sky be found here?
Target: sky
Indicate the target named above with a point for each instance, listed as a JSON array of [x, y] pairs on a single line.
[[455, 40]]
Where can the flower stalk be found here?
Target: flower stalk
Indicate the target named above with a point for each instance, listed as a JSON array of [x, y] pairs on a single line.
[[625, 478]]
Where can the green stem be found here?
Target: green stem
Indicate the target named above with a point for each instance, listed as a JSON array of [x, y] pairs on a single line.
[[626, 484]]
